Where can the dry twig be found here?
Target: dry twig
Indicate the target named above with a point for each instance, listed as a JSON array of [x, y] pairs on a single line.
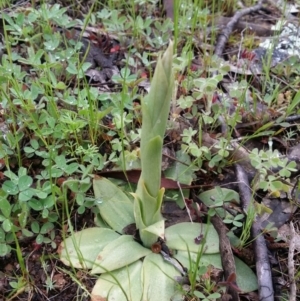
[[227, 258], [263, 268], [226, 32]]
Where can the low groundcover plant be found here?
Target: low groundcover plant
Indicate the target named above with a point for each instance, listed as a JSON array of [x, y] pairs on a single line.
[[131, 270]]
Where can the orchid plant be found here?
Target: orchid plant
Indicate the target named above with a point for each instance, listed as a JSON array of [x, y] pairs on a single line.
[[142, 270]]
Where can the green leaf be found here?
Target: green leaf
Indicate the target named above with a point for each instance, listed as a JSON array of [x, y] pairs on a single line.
[[295, 102], [10, 187], [26, 195], [27, 233], [102, 113], [4, 249], [71, 168], [284, 173], [116, 208], [47, 227], [48, 202], [39, 239], [237, 224], [35, 227], [81, 249], [199, 294], [219, 195], [119, 253], [13, 176], [99, 222], [3, 195], [60, 161], [7, 225], [55, 172], [23, 216], [46, 240], [245, 277], [182, 237], [5, 207], [158, 229], [214, 296], [147, 210], [276, 185], [155, 109], [34, 143], [60, 86], [2, 235], [72, 68], [37, 205], [183, 173], [108, 287], [151, 166], [81, 209], [45, 213], [29, 150], [292, 166], [73, 185], [158, 278], [216, 198]]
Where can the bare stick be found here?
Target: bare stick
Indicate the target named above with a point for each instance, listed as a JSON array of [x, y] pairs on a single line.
[[227, 258], [291, 264], [226, 32], [263, 268]]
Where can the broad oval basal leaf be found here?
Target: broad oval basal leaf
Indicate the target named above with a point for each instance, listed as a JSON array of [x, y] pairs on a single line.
[[112, 286], [116, 208], [158, 279], [81, 249], [245, 277], [119, 253], [183, 237]]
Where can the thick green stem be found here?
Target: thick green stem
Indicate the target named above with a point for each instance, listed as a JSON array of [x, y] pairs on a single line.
[[155, 109]]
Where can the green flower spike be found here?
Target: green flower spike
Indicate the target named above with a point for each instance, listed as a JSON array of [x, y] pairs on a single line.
[[155, 108]]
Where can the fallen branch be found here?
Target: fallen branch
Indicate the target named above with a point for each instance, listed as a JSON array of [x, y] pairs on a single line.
[[263, 268], [291, 264], [259, 29], [226, 32], [227, 258]]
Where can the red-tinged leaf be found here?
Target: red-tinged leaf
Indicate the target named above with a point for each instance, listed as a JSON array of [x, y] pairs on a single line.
[[70, 34], [144, 75], [194, 67], [134, 175], [231, 281], [249, 55], [93, 37], [116, 48], [171, 184], [232, 278]]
